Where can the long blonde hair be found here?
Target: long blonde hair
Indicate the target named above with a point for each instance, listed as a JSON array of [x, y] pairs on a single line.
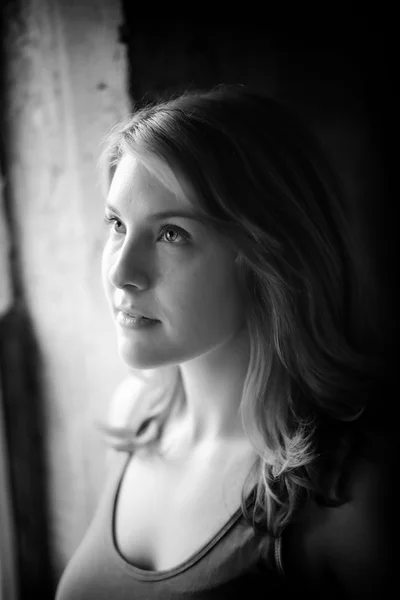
[[262, 180]]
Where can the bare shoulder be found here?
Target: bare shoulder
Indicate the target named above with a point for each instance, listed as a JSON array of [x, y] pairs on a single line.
[[123, 401], [131, 401], [130, 404], [347, 551]]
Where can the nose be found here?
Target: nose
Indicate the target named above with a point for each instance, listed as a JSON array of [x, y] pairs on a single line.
[[128, 267]]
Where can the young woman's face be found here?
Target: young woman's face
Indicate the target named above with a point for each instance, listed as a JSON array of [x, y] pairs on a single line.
[[174, 270]]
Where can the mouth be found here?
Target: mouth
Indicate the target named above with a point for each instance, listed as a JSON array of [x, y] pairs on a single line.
[[136, 318], [131, 313], [126, 319]]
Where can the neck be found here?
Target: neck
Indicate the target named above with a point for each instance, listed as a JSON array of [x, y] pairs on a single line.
[[213, 385]]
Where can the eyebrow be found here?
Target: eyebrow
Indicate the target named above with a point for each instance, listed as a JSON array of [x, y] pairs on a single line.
[[165, 214]]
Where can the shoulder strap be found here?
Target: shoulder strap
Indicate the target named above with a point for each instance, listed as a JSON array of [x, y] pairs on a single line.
[[278, 555]]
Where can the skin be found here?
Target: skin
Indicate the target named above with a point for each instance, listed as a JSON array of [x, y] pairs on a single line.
[[189, 285]]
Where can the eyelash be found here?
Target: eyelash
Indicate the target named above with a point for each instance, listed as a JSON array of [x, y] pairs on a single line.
[[165, 227]]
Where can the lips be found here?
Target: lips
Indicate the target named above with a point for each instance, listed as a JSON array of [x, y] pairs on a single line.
[[131, 322], [134, 318], [135, 314]]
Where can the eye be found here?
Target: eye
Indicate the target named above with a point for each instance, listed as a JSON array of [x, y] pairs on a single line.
[[114, 223], [172, 233]]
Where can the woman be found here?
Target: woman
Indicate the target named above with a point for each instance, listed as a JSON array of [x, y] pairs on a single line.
[[245, 460]]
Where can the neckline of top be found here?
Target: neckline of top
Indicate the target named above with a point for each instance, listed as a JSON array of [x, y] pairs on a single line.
[[155, 575]]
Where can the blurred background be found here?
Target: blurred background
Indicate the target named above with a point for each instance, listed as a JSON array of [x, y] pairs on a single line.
[[69, 69]]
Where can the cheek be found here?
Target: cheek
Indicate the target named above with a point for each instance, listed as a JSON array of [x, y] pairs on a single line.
[[224, 301], [211, 299]]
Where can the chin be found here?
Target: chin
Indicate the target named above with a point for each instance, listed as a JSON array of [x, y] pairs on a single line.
[[143, 358], [144, 354], [135, 360]]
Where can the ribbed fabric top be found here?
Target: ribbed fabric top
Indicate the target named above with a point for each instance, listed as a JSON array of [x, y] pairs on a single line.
[[231, 565]]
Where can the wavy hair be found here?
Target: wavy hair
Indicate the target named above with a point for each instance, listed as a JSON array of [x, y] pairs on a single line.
[[262, 180]]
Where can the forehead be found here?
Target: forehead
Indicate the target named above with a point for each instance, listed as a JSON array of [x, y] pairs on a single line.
[[149, 182]]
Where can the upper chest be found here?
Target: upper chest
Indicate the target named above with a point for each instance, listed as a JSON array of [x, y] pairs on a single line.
[[165, 511]]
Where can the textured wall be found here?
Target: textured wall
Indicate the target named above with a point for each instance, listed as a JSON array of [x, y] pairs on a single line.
[[65, 82], [5, 275], [8, 583]]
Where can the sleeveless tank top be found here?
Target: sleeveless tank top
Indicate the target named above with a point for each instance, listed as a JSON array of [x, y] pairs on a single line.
[[233, 564]]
